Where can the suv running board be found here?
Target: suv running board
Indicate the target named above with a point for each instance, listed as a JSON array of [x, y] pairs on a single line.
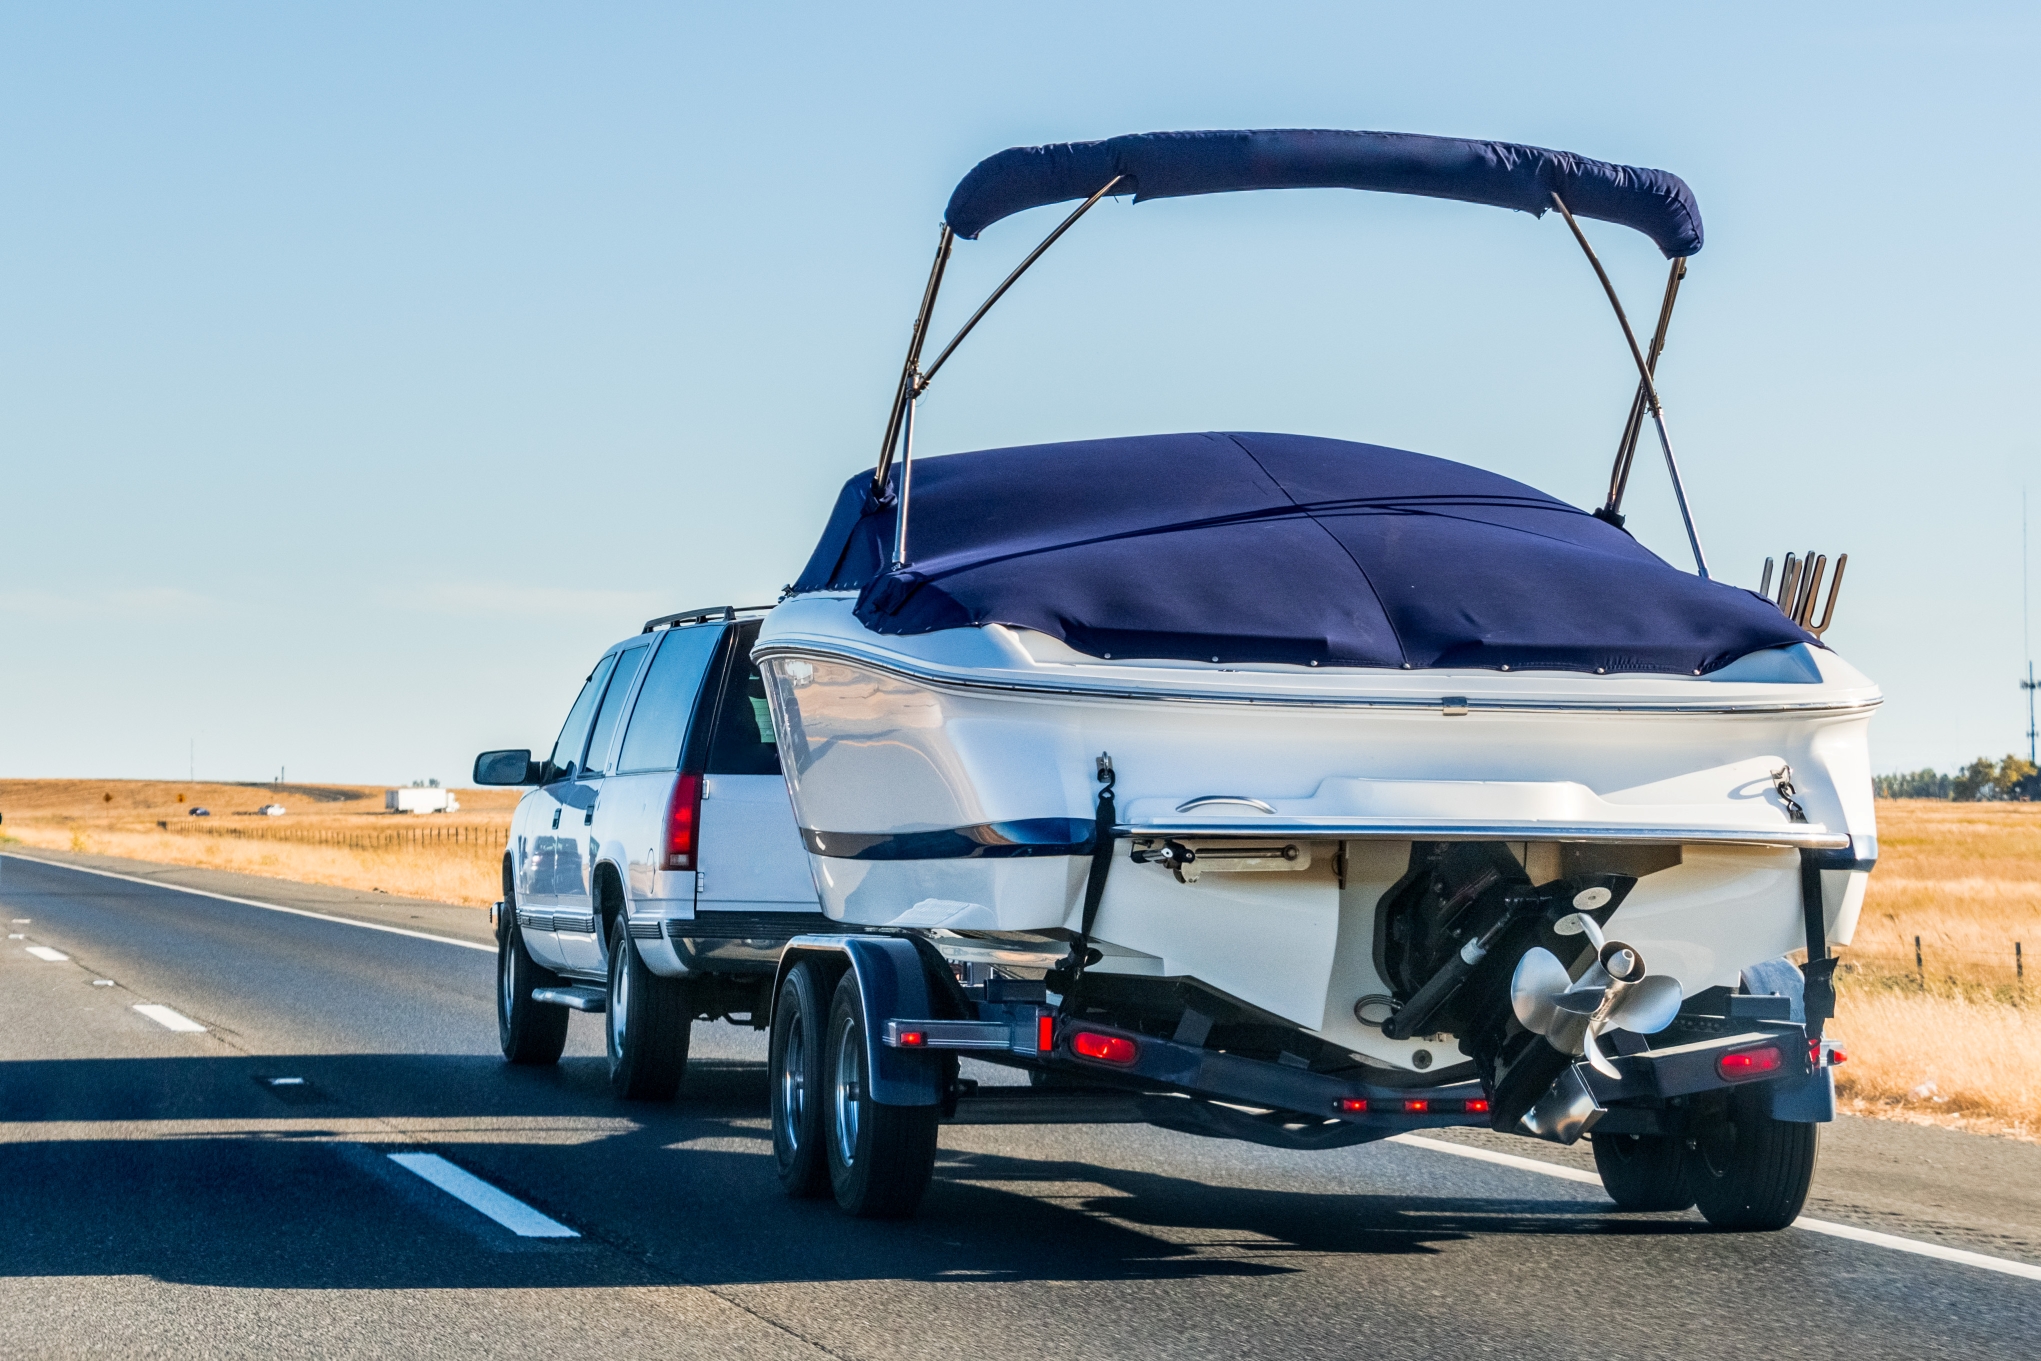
[[573, 998]]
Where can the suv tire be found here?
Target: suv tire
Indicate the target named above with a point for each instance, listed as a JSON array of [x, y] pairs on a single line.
[[799, 1021], [1643, 1171], [880, 1157], [1748, 1171], [530, 1032], [646, 1024]]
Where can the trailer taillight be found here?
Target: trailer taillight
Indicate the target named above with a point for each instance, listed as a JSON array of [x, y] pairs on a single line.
[[1090, 1044], [1361, 1105], [1748, 1063], [912, 1039], [683, 822], [1045, 1033]]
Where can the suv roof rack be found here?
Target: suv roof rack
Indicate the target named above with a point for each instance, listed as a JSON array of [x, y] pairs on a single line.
[[708, 612]]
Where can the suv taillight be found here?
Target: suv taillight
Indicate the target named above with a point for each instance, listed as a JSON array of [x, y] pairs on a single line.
[[683, 818]]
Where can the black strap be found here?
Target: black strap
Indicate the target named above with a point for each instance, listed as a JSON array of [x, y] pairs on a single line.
[[1820, 969], [1102, 844]]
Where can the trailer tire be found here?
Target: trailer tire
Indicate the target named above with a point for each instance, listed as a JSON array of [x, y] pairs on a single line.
[[1748, 1171], [530, 1032], [1643, 1172], [880, 1157], [799, 1021], [646, 1024]]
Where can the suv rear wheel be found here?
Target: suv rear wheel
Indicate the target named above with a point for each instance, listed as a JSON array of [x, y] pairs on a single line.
[[530, 1032], [647, 1021]]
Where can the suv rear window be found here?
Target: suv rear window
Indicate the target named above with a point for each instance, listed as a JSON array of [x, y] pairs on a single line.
[[666, 701], [743, 741]]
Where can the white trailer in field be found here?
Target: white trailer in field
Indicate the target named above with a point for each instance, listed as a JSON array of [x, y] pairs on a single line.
[[420, 799]]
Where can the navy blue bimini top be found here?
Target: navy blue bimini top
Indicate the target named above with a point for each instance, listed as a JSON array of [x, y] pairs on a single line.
[[1279, 548]]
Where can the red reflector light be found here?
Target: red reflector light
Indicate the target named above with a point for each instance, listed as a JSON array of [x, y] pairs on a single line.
[[1836, 1054], [1359, 1105], [683, 816], [913, 1039], [1105, 1048], [1748, 1063], [1045, 1033]]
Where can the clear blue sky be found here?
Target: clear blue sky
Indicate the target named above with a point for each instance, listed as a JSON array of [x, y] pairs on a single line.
[[365, 370]]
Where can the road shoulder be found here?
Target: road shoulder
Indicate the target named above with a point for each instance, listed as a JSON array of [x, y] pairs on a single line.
[[381, 909]]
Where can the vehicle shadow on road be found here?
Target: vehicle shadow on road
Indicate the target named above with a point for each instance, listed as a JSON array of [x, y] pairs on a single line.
[[289, 1187]]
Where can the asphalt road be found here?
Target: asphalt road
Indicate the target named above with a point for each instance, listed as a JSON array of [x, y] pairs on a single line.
[[162, 1195]]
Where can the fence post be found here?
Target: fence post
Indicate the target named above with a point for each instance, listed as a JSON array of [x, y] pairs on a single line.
[[1917, 967]]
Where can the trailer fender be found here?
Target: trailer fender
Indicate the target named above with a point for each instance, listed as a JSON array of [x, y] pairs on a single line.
[[894, 987]]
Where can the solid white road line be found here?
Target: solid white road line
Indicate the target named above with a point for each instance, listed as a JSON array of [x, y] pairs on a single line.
[[45, 952], [267, 907], [168, 1019], [507, 1210], [1832, 1229]]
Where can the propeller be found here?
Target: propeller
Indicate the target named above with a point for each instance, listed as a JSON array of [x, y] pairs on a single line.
[[1614, 994]]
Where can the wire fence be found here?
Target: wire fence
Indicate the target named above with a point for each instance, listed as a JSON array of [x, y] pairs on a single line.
[[456, 838], [1930, 966]]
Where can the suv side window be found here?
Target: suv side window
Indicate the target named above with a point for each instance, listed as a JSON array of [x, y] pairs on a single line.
[[566, 759], [628, 662], [666, 701], [743, 741]]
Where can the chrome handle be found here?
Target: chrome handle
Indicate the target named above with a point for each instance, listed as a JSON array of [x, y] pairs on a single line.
[[1224, 798]]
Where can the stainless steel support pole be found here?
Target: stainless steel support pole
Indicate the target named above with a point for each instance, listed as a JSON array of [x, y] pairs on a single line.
[[911, 377], [1626, 450], [906, 477], [1672, 466], [1008, 282]]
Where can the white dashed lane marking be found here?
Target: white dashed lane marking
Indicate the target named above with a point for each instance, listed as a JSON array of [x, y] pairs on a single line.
[[507, 1210], [45, 952], [168, 1019], [1892, 1242]]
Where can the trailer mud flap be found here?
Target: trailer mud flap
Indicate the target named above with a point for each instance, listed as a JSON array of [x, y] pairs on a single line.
[[1808, 1100], [893, 986]]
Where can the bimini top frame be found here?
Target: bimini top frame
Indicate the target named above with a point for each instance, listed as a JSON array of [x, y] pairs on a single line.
[[1176, 164]]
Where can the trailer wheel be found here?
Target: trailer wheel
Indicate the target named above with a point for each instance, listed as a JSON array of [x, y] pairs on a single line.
[[799, 1022], [646, 1022], [1643, 1171], [530, 1032], [880, 1157], [1748, 1171]]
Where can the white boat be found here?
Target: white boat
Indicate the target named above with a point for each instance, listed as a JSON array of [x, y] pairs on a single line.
[[1378, 736]]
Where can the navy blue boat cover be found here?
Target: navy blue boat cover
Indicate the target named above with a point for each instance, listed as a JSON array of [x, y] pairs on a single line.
[[1173, 164], [1279, 548]]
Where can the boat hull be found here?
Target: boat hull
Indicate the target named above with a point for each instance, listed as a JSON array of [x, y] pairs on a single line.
[[948, 782]]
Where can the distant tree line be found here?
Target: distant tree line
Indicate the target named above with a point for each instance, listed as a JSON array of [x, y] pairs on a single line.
[[1982, 781]]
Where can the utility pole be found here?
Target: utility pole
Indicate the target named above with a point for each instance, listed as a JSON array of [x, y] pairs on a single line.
[[2026, 630]]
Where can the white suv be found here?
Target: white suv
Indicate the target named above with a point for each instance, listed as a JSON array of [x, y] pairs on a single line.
[[655, 871]]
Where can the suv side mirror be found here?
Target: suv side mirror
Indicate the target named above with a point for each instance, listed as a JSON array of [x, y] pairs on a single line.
[[507, 767]]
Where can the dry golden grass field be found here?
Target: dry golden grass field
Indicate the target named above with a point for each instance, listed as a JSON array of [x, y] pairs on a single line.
[[331, 834], [1954, 1041]]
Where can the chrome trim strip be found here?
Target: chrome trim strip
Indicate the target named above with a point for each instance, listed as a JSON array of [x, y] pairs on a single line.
[[1812, 836], [1423, 704]]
